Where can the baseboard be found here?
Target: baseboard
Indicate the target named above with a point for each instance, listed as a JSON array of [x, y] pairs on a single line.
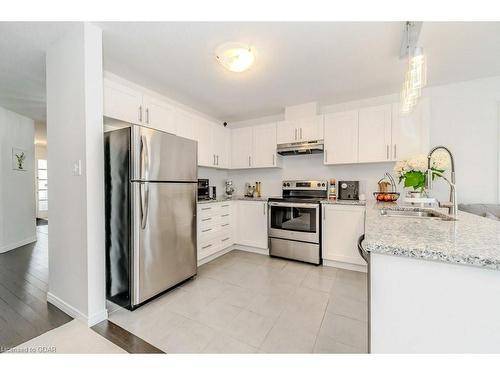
[[346, 266], [250, 249], [75, 313], [215, 255], [15, 245]]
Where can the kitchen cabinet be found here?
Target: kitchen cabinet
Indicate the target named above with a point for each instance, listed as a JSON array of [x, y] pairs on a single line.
[[205, 137], [241, 147], [122, 102], [158, 114], [341, 138], [185, 124], [300, 130], [374, 134], [252, 223], [221, 146], [215, 229], [264, 146], [342, 226], [410, 132], [254, 147]]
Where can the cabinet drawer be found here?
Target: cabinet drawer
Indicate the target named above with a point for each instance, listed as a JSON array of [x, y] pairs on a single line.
[[226, 239], [206, 210], [208, 248]]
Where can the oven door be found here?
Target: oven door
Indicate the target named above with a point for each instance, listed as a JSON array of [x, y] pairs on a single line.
[[294, 221]]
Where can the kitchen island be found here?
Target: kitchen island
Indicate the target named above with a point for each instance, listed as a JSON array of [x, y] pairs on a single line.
[[434, 284]]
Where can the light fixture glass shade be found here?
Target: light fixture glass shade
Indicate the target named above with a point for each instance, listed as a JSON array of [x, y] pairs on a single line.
[[235, 57], [415, 80]]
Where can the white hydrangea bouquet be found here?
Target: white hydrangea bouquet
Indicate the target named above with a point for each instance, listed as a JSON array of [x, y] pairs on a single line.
[[413, 170]]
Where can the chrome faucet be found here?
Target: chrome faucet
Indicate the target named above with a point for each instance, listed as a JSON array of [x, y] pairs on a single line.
[[453, 206]]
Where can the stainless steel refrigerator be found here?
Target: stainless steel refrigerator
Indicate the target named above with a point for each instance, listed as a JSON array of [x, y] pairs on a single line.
[[151, 192]]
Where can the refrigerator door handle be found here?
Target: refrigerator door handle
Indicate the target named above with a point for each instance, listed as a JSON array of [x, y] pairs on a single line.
[[144, 201], [144, 175]]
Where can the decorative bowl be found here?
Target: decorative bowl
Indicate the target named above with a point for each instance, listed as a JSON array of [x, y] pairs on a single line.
[[386, 196]]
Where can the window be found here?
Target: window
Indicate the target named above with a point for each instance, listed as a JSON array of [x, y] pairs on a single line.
[[43, 204]]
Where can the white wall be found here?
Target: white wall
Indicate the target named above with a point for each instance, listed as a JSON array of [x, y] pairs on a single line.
[[75, 132], [217, 178], [17, 188], [464, 117]]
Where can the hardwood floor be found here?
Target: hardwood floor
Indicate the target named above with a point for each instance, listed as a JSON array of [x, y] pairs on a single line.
[[124, 339], [24, 311]]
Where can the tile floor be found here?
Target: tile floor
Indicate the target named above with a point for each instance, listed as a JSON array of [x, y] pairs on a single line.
[[248, 303]]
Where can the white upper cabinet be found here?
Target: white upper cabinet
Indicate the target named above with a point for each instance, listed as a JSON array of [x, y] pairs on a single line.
[[286, 132], [241, 147], [310, 128], [185, 124], [205, 137], [122, 103], [300, 130], [221, 146], [264, 146], [374, 144], [341, 138], [410, 132], [159, 114]]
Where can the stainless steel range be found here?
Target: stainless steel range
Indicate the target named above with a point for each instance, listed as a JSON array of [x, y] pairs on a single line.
[[294, 221]]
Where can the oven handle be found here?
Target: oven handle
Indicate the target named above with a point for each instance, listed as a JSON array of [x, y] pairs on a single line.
[[305, 205]]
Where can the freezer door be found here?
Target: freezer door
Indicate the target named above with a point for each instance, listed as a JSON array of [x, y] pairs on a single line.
[[165, 251], [160, 156]]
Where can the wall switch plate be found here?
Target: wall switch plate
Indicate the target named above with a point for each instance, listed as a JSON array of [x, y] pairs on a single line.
[[77, 168]]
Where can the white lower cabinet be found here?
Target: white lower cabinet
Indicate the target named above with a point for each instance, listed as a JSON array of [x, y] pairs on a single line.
[[342, 226], [215, 231], [251, 223]]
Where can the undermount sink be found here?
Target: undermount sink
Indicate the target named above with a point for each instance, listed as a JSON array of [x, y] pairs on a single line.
[[416, 214]]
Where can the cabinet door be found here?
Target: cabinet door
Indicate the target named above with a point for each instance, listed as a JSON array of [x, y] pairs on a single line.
[[252, 224], [185, 124], [310, 128], [241, 147], [159, 114], [205, 134], [341, 138], [287, 132], [222, 146], [410, 132], [342, 226], [375, 134], [123, 103], [264, 146]]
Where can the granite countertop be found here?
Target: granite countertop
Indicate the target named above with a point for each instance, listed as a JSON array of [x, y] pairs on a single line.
[[344, 202], [470, 240], [234, 198]]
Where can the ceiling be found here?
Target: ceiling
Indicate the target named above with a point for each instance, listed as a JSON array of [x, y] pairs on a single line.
[[327, 62]]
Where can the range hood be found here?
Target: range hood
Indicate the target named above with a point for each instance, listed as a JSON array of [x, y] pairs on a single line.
[[299, 148]]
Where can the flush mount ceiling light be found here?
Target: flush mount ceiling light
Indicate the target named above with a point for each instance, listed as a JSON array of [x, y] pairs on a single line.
[[236, 57], [416, 76]]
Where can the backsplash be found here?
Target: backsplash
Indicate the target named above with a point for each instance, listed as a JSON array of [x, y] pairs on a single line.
[[304, 167]]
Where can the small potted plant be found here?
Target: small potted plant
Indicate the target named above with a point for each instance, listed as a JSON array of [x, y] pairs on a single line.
[[413, 171]]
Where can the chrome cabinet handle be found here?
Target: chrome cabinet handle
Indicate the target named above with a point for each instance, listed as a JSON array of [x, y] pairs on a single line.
[[273, 161], [295, 133], [147, 115], [207, 230], [206, 208], [326, 156], [324, 214], [387, 152], [207, 219], [140, 113], [224, 225], [395, 152], [225, 239], [144, 201], [265, 205], [224, 215], [206, 246], [249, 161], [225, 205], [217, 159], [300, 133]]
